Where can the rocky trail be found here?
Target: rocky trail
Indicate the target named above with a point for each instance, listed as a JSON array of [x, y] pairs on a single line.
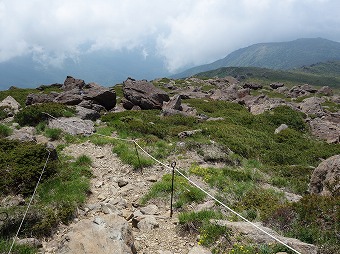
[[115, 192]]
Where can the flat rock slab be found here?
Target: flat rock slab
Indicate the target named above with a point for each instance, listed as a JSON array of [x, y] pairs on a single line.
[[72, 125], [106, 234], [254, 234]]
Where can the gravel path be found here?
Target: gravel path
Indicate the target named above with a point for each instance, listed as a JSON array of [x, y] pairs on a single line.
[[108, 171]]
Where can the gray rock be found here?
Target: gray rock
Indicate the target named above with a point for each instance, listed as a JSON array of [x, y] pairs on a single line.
[[280, 128], [199, 250], [325, 90], [309, 88], [173, 104], [150, 210], [325, 179], [276, 85], [252, 86], [312, 106], [144, 94], [205, 206], [185, 134], [326, 128], [148, 223], [100, 95], [10, 103], [257, 236], [33, 242], [25, 134], [72, 125], [41, 98], [71, 83], [122, 183], [107, 234], [87, 114], [70, 97]]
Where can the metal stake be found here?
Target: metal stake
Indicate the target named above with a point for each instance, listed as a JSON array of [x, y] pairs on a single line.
[[173, 165], [141, 170]]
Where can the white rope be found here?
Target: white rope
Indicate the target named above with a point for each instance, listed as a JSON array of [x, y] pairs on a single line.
[[29, 204], [218, 201], [197, 186]]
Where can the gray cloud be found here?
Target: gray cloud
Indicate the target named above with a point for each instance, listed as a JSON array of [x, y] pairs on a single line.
[[186, 32]]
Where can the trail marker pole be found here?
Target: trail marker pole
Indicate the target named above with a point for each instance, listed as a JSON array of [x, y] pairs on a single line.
[[173, 165], [141, 170]]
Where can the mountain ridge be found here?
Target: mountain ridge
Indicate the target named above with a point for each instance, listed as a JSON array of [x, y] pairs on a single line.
[[275, 55]]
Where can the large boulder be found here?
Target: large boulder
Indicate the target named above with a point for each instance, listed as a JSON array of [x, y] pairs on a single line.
[[72, 125], [106, 234], [144, 94], [76, 92], [70, 97], [252, 86], [71, 83], [325, 179], [326, 128], [276, 85], [312, 106], [11, 104], [325, 90], [100, 95], [87, 114], [41, 98], [257, 236]]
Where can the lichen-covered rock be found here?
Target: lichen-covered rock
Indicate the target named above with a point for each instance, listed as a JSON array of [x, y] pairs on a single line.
[[325, 179], [144, 94], [72, 125]]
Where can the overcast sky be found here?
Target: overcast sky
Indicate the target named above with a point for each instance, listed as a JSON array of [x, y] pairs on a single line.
[[184, 32]]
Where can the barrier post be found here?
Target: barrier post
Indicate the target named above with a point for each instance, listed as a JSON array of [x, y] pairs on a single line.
[[140, 167], [173, 165]]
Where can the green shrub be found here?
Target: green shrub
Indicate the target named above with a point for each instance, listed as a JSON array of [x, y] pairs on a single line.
[[3, 114], [21, 165], [34, 114], [5, 131], [314, 219], [17, 249], [265, 201], [184, 192], [53, 134], [55, 202]]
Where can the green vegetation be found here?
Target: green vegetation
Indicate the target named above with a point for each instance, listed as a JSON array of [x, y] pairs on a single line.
[[21, 165], [314, 219], [330, 68], [53, 134], [5, 131], [20, 94], [34, 114], [63, 187], [184, 193], [22, 249]]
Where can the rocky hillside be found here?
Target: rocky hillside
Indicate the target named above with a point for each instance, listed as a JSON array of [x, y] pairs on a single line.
[[270, 152]]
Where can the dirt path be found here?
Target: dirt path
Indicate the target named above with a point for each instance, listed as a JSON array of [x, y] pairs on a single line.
[[108, 171]]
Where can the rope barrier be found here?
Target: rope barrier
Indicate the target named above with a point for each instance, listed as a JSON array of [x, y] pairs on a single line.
[[29, 204], [191, 182]]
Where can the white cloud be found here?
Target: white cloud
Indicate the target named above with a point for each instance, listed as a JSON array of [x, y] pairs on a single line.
[[186, 32]]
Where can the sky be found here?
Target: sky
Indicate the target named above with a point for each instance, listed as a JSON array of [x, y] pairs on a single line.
[[183, 33]]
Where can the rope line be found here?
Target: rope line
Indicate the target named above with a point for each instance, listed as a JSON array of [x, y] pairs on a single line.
[[29, 204], [191, 182]]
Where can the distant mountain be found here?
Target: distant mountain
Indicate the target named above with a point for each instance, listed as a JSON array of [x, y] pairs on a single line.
[[330, 68], [267, 76], [104, 67], [278, 55]]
